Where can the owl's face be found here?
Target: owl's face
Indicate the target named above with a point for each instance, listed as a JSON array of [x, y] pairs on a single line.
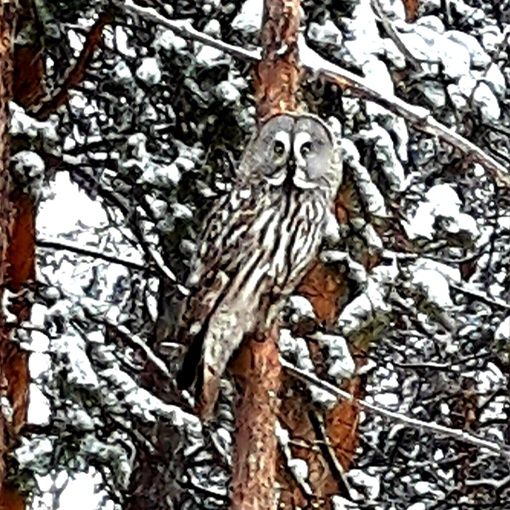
[[297, 150]]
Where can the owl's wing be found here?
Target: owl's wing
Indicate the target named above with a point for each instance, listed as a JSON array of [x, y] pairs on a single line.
[[211, 320], [228, 226], [199, 309]]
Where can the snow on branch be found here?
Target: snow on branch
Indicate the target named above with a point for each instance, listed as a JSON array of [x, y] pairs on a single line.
[[495, 447], [418, 116], [186, 30]]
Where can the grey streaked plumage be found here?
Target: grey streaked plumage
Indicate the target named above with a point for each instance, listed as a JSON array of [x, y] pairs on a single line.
[[258, 243]]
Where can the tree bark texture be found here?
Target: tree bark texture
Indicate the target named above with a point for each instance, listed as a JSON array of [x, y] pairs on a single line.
[[254, 471], [411, 7], [276, 79], [22, 76], [7, 30], [257, 367]]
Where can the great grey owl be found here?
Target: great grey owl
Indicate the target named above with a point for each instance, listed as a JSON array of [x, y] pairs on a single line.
[[258, 243]]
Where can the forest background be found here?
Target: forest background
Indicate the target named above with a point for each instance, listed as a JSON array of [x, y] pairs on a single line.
[[125, 122]]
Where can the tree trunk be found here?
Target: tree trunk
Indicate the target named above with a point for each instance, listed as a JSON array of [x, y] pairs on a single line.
[[7, 419]]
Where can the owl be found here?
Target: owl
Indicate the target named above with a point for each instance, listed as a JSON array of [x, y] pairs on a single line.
[[259, 241]]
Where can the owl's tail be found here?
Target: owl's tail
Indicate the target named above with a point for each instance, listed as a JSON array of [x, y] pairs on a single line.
[[224, 336], [208, 355]]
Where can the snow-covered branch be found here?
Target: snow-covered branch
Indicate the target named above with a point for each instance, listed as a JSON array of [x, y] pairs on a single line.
[[494, 447], [186, 30], [418, 116]]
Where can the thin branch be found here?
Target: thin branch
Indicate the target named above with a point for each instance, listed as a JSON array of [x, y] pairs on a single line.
[[186, 30], [133, 338], [449, 366], [481, 296], [160, 264], [129, 214], [490, 483], [210, 492], [329, 454], [76, 73], [430, 366], [283, 441], [394, 35], [394, 255], [418, 116], [88, 252], [494, 447]]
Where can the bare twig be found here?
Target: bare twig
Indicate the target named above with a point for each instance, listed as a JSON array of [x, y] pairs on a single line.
[[160, 264], [130, 216], [88, 252], [151, 355], [394, 35], [283, 441], [76, 73], [449, 366], [428, 365], [133, 338], [495, 447], [330, 456], [481, 296], [492, 484], [186, 30], [394, 255]]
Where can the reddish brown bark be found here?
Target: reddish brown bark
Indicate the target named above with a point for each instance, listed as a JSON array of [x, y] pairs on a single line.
[[11, 499], [8, 426], [29, 71], [20, 257], [76, 73], [22, 79], [257, 370], [21, 249], [257, 367], [411, 7], [26, 86], [276, 90], [276, 78], [28, 75], [28, 79], [6, 67]]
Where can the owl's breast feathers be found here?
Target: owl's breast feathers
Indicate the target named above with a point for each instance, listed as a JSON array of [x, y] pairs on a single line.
[[256, 248]]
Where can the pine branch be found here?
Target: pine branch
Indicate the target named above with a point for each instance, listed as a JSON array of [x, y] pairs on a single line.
[[494, 447], [419, 117]]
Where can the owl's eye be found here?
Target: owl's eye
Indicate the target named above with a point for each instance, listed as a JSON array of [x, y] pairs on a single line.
[[306, 148], [279, 148]]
